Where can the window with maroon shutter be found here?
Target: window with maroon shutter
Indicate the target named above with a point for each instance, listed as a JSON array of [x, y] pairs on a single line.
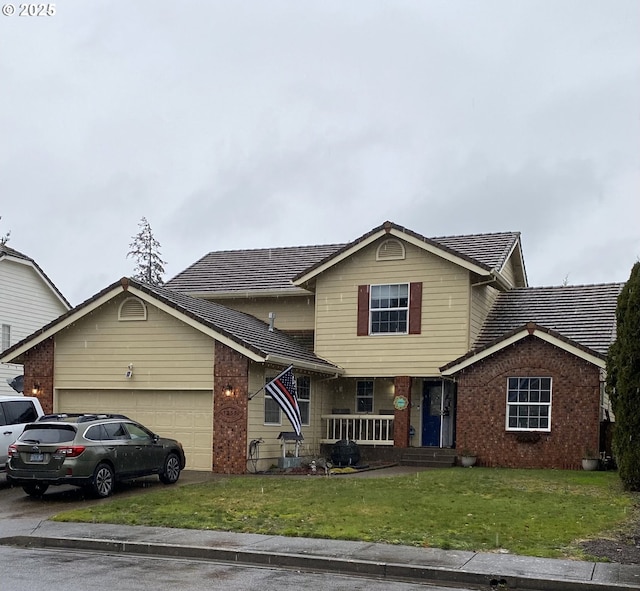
[[363, 310], [389, 309], [415, 308]]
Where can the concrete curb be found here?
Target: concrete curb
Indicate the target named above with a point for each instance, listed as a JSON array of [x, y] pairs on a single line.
[[303, 562]]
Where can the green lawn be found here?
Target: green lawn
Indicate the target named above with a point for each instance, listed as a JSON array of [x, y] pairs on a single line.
[[529, 512]]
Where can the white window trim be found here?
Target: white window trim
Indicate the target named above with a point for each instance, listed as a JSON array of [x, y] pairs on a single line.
[[306, 401], [509, 404], [372, 310], [372, 397]]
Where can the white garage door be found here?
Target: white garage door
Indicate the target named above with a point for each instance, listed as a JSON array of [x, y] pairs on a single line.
[[185, 416]]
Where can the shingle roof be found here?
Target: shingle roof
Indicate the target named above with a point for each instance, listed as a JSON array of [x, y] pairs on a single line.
[[261, 269], [585, 314], [490, 249], [272, 269], [246, 330], [241, 328]]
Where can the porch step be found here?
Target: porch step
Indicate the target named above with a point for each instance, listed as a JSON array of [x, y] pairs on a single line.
[[428, 457]]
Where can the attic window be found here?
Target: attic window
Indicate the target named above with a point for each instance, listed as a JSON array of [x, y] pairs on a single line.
[[390, 250], [132, 309]]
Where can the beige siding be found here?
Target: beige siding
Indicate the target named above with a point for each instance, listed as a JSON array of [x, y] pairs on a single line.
[[508, 271], [445, 315], [270, 449], [167, 354], [183, 415], [292, 313], [482, 298]]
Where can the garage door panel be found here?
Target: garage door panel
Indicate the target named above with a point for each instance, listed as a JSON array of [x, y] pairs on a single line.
[[185, 416]]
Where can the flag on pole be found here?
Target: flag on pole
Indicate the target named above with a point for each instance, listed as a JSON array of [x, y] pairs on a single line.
[[283, 390]]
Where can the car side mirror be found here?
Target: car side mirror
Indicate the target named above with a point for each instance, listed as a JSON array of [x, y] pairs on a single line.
[[156, 438]]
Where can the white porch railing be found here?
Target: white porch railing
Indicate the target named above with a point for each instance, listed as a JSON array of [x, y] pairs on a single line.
[[363, 429]]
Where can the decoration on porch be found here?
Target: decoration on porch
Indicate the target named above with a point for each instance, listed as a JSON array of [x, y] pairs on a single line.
[[400, 402]]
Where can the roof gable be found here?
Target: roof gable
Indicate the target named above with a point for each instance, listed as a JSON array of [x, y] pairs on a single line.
[[242, 332], [585, 314], [580, 319], [287, 270], [10, 254]]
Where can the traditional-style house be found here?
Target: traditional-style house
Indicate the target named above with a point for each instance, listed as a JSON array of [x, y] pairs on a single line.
[[28, 300], [405, 344]]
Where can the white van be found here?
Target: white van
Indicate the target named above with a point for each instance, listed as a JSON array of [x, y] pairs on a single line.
[[15, 413]]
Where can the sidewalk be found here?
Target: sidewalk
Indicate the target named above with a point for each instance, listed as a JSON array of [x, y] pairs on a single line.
[[401, 563]]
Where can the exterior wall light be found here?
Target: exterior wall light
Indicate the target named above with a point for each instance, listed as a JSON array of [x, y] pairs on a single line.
[[228, 391]]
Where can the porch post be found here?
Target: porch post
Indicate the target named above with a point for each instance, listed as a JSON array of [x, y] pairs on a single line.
[[402, 412]]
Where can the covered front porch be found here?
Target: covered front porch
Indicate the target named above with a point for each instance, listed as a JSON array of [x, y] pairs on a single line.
[[412, 412]]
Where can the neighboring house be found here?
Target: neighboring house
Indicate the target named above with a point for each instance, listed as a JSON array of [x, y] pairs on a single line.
[[398, 341], [28, 300]]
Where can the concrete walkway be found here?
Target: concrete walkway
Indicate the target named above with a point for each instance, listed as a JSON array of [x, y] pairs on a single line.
[[402, 563]]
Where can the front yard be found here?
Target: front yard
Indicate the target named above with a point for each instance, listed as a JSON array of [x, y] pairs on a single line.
[[531, 512]]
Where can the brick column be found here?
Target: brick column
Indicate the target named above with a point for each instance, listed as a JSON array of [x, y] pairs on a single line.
[[402, 417], [38, 371], [230, 413]]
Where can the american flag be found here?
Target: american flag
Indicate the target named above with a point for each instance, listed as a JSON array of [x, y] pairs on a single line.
[[283, 390]]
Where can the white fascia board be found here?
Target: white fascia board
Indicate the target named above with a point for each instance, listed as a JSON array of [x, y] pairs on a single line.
[[339, 258], [519, 336], [318, 368], [516, 245], [593, 359], [46, 281], [197, 325], [401, 236], [58, 326], [432, 248]]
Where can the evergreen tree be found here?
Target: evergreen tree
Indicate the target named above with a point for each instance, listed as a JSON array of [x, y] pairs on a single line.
[[145, 249], [623, 382], [5, 238]]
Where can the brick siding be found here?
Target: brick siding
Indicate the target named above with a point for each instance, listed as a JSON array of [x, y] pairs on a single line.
[[230, 413], [575, 408], [402, 418], [38, 371]]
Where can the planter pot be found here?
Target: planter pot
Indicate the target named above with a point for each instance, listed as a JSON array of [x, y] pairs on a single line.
[[590, 464], [468, 461]]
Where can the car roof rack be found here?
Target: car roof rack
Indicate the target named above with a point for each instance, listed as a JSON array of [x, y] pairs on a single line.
[[81, 417]]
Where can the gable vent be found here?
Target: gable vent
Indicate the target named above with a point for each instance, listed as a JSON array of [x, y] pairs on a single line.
[[132, 309], [390, 250]]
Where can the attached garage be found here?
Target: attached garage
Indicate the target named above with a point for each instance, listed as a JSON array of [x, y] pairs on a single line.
[[183, 415]]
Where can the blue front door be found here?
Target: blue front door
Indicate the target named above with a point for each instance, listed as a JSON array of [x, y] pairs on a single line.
[[431, 413]]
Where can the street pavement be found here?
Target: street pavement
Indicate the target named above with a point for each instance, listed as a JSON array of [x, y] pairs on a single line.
[[384, 561]]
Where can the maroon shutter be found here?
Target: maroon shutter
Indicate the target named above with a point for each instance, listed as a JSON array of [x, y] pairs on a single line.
[[415, 308], [363, 310]]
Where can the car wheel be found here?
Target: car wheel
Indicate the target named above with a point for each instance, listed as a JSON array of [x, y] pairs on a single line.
[[35, 489], [171, 471], [102, 481]]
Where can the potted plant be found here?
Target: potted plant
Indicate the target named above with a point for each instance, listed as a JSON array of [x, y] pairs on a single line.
[[467, 458], [590, 460]]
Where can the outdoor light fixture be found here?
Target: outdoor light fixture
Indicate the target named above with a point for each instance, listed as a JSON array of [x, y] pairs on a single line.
[[129, 372], [228, 390], [36, 389]]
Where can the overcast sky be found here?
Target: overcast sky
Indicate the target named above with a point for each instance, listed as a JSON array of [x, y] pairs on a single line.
[[265, 123]]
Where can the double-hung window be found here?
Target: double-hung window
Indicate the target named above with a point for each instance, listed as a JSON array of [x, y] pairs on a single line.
[[271, 409], [528, 404], [389, 308], [364, 396], [303, 386]]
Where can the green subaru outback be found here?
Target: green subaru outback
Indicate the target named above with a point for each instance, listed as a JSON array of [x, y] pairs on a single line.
[[90, 450]]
